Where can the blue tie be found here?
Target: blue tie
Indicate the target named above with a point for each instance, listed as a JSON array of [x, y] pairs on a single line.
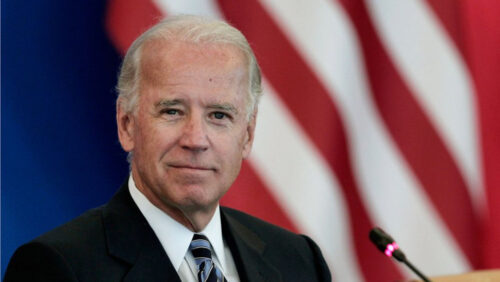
[[202, 252]]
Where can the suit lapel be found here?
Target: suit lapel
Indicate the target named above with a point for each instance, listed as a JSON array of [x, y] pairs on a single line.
[[131, 239], [247, 250], [152, 265]]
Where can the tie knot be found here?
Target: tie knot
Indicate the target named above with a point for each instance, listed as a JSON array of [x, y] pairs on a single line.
[[200, 247], [202, 252]]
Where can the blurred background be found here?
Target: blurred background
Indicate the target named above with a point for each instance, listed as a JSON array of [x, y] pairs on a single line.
[[375, 113]]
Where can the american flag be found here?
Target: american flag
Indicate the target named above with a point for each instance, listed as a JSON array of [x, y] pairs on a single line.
[[375, 113]]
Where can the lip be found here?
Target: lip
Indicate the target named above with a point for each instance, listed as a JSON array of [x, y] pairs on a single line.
[[191, 167]]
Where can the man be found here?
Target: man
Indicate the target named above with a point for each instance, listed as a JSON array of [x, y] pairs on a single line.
[[186, 113]]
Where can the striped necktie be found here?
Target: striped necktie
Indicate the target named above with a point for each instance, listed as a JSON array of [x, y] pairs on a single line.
[[202, 252]]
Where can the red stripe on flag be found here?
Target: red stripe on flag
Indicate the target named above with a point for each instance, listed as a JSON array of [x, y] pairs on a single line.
[[482, 30], [415, 136], [127, 19], [249, 194], [310, 103], [449, 14]]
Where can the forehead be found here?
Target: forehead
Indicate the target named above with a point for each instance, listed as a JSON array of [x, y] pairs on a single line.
[[163, 59]]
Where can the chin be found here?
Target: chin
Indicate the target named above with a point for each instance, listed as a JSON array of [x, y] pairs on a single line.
[[197, 205], [197, 197]]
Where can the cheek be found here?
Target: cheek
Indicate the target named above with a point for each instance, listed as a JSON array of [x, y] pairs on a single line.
[[149, 140], [233, 148]]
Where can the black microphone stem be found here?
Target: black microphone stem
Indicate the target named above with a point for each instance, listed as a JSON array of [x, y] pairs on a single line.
[[420, 274]]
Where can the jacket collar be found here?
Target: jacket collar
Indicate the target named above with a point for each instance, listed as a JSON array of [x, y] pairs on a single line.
[[131, 239], [248, 251]]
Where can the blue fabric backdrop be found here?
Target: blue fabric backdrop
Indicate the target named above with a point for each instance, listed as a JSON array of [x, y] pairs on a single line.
[[60, 152]]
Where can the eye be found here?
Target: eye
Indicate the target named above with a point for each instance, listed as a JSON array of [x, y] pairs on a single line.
[[171, 112], [219, 115]]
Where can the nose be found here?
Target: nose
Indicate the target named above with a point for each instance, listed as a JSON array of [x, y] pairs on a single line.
[[194, 136]]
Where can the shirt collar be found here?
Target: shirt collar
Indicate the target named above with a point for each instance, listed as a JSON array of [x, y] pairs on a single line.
[[173, 236]]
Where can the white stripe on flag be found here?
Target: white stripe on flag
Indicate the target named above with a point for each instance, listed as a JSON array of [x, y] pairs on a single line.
[[198, 7], [434, 69], [299, 177]]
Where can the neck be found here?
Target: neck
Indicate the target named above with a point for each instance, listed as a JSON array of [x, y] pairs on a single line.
[[193, 218], [196, 221]]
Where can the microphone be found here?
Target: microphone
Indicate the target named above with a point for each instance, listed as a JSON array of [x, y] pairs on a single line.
[[390, 248]]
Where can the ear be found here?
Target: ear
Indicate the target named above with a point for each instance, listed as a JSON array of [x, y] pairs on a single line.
[[125, 124], [250, 133]]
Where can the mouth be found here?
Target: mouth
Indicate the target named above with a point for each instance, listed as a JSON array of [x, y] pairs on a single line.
[[190, 167]]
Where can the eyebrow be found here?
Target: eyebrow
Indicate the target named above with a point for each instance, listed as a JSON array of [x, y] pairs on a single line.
[[224, 107], [168, 103]]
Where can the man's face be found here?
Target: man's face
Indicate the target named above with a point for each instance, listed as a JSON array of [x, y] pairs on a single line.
[[190, 131]]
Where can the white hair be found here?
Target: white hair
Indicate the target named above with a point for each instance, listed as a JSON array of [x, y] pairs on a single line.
[[192, 29]]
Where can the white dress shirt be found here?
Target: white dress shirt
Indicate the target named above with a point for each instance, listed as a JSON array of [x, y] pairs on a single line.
[[175, 239]]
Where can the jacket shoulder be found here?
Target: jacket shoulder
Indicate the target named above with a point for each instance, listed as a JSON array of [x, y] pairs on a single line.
[[74, 249], [270, 234], [304, 256], [85, 231]]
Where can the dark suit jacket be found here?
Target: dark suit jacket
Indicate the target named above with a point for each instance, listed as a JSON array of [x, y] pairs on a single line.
[[115, 243]]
